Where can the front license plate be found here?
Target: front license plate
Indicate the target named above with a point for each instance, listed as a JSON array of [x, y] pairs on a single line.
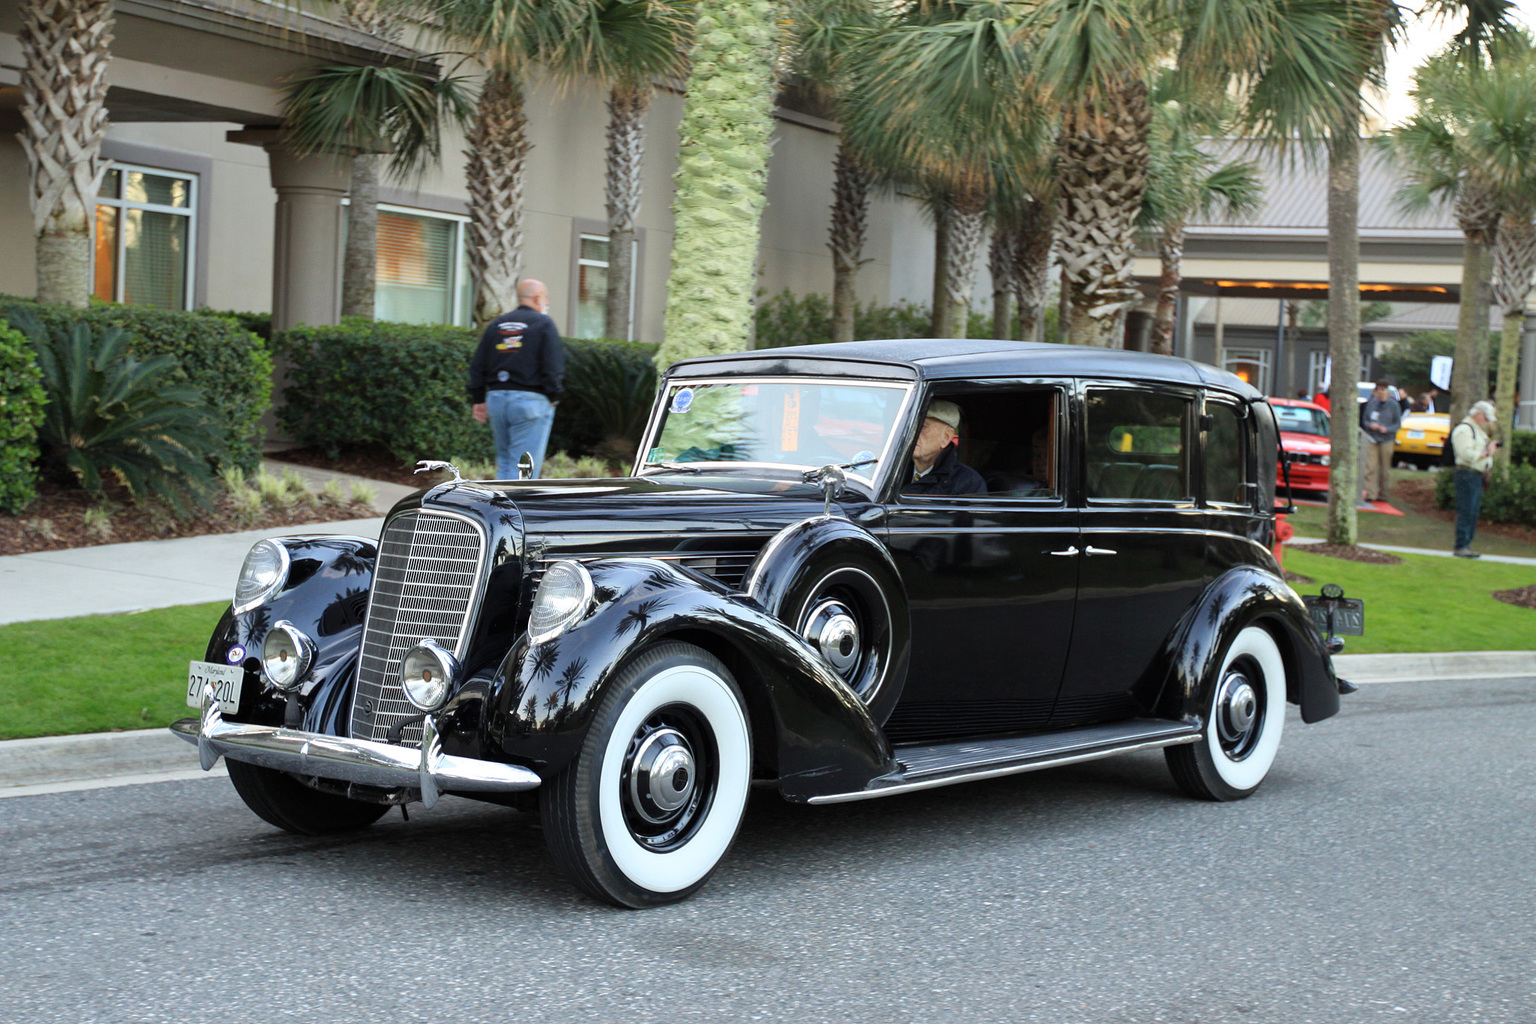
[[1416, 433], [1348, 614], [226, 680]]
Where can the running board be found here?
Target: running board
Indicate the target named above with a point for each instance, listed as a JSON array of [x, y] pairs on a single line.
[[925, 766]]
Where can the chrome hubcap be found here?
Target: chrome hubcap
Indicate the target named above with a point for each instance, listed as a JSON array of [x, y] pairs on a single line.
[[834, 632], [663, 776], [1237, 711]]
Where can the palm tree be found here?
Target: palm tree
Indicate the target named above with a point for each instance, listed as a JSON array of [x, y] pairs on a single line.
[[509, 37], [626, 44], [355, 112], [360, 262], [1182, 180], [65, 48], [1034, 237], [721, 175]]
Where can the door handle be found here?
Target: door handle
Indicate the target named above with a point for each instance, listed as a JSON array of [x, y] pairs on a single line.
[[1065, 554], [1091, 550]]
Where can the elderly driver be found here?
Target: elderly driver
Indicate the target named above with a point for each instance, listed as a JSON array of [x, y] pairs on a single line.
[[936, 465]]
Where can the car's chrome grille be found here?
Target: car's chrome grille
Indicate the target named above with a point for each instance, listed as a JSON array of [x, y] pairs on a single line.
[[726, 567], [424, 588]]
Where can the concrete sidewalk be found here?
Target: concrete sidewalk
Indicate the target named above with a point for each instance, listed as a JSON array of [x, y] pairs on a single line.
[[1295, 542], [112, 578]]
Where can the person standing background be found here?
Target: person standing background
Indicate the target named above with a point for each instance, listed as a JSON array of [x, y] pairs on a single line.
[[1379, 419], [516, 377], [1474, 460]]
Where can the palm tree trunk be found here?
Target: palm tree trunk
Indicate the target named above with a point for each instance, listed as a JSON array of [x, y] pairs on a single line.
[[1034, 238], [1344, 330], [968, 226], [850, 219], [626, 150], [1478, 216], [497, 160], [1104, 158], [721, 176], [1170, 252], [359, 268], [1000, 265], [1515, 266], [943, 312], [65, 48]]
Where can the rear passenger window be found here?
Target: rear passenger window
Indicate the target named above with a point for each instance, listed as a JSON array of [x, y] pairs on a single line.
[[1226, 456], [1138, 445]]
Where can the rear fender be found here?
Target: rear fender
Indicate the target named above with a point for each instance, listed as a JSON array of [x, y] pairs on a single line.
[[543, 701], [1242, 597]]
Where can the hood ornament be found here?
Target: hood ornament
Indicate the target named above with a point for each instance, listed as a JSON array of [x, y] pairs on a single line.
[[431, 465], [831, 479]]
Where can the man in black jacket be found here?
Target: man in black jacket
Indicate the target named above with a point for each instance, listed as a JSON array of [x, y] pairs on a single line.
[[515, 378], [936, 465]]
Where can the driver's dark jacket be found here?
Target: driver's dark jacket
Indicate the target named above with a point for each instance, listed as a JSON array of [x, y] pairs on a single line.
[[948, 475]]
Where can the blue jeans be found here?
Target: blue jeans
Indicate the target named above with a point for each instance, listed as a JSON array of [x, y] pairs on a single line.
[[520, 422], [1469, 502]]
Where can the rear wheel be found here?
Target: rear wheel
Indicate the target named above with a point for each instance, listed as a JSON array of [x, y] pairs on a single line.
[[1244, 716], [280, 799], [651, 804]]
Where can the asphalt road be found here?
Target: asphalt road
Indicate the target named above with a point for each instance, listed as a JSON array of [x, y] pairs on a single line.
[[1385, 872]]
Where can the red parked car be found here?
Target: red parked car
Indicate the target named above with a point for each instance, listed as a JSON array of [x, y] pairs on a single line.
[[1304, 437]]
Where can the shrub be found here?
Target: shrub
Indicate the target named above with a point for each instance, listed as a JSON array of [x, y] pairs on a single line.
[[112, 415], [259, 324], [366, 382], [212, 353], [609, 389], [1510, 496], [21, 412], [1522, 448], [786, 319]]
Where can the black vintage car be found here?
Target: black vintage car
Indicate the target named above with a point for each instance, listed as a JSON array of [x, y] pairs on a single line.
[[760, 602]]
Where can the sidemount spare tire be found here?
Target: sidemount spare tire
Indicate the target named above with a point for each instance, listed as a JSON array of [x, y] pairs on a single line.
[[836, 585]]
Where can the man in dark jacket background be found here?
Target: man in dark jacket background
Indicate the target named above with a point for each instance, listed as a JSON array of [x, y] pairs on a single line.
[[516, 377]]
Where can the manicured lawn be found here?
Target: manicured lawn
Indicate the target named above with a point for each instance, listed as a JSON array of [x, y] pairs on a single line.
[[100, 672], [1427, 603]]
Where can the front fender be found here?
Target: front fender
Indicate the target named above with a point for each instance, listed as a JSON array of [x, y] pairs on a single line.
[[1242, 597], [822, 737], [326, 597]]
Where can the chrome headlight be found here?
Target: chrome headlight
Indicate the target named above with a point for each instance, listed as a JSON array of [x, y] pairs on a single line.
[[426, 672], [263, 574], [1322, 460], [562, 599], [286, 656]]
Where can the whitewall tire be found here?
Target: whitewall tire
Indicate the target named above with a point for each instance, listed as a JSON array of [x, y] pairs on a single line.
[[1244, 718], [653, 801]]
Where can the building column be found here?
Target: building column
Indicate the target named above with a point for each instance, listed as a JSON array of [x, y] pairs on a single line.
[[308, 236], [1527, 394]]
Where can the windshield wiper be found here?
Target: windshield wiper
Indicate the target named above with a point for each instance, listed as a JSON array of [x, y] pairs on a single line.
[[811, 476]]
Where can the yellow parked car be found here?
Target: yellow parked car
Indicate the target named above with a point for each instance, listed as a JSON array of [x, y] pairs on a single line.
[[1421, 437]]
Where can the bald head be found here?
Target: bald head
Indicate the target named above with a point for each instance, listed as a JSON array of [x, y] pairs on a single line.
[[533, 294]]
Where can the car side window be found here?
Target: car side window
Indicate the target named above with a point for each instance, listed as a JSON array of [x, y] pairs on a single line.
[[1009, 436], [1138, 445], [1226, 455]]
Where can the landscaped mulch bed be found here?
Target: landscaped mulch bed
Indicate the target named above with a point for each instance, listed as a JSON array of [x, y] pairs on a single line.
[[57, 521], [1351, 553], [374, 463], [1525, 597]]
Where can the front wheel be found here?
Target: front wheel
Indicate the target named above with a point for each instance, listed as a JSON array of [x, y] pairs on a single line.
[[651, 804], [1244, 716]]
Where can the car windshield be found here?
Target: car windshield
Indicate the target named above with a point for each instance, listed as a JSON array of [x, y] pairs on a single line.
[[1300, 420], [804, 423]]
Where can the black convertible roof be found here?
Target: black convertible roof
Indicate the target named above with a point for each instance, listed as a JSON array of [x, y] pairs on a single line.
[[961, 358]]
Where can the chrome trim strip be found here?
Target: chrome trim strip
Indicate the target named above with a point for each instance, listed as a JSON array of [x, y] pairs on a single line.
[[366, 762], [992, 773]]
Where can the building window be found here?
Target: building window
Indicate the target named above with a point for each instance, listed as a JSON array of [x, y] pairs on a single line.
[[1251, 365], [144, 237], [422, 277], [592, 287], [1317, 371]]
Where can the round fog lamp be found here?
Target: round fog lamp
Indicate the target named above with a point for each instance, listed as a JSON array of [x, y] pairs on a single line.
[[286, 656], [426, 673]]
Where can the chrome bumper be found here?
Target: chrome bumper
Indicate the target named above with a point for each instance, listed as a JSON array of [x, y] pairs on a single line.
[[366, 762]]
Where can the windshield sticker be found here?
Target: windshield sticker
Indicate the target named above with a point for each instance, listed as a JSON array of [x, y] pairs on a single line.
[[656, 455], [864, 456], [682, 401], [789, 438]]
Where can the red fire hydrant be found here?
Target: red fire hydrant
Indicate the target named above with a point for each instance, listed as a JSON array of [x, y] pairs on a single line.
[[1284, 531]]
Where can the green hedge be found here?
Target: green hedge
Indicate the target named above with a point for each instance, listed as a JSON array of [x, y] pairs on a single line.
[[403, 386], [1522, 447], [215, 354], [787, 319], [1510, 496], [21, 411]]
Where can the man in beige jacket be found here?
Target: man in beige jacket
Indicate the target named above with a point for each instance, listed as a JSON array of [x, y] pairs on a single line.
[[1474, 458]]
